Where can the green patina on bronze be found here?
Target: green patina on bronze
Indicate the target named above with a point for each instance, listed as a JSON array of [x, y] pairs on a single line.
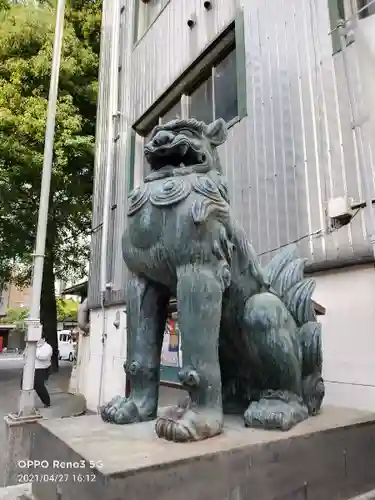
[[250, 338]]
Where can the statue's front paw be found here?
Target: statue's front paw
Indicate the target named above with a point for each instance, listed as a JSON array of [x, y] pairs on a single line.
[[120, 411], [181, 424]]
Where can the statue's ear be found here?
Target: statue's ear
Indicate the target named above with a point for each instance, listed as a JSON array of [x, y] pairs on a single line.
[[217, 132]]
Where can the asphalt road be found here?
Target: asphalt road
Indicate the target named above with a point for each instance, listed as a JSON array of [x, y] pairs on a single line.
[[10, 379]]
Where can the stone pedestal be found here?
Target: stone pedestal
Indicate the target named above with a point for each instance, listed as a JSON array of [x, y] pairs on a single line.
[[328, 457], [73, 381], [17, 447]]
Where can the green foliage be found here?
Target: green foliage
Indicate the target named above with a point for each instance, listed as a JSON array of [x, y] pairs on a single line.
[[67, 309], [26, 43], [16, 316], [26, 46], [4, 5]]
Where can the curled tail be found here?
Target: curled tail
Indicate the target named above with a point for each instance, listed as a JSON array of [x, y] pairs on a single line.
[[285, 273]]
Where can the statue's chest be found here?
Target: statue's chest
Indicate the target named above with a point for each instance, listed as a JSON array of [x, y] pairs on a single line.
[[146, 227], [159, 194], [156, 208]]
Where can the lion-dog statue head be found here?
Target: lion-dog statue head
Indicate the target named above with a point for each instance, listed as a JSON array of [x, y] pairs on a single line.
[[181, 147]]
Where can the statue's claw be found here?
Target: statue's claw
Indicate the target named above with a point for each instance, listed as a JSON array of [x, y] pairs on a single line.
[[184, 423], [120, 411], [279, 410], [173, 431]]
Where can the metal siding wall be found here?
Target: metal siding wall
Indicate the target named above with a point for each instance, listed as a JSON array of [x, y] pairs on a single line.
[[300, 147], [292, 152], [169, 47], [102, 113], [100, 154], [359, 70], [119, 271], [116, 267]]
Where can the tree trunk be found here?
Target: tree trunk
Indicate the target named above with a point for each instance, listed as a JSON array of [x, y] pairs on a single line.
[[48, 309]]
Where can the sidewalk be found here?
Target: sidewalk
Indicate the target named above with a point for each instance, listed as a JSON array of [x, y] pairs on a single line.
[[19, 492], [370, 495], [5, 356], [63, 405]]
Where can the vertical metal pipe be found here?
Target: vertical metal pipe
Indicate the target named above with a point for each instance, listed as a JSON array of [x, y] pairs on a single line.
[[34, 330], [365, 171]]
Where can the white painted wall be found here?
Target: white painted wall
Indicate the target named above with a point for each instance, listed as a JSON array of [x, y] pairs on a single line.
[[348, 336], [90, 357], [348, 343]]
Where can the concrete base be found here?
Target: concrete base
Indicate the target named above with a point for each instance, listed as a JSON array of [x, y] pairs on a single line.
[[19, 434], [328, 457], [73, 382]]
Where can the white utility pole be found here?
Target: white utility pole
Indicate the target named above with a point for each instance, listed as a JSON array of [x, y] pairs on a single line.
[[34, 330]]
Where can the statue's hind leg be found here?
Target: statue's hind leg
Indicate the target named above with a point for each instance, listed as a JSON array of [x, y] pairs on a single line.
[[273, 335], [147, 304]]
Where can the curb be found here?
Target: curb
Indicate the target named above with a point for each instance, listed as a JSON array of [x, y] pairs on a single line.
[[370, 495]]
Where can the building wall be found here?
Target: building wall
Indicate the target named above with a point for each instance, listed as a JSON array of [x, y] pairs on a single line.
[[293, 151], [13, 297], [119, 150], [92, 358], [348, 336], [16, 339]]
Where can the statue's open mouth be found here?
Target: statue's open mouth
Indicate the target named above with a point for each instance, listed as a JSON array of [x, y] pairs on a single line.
[[177, 154]]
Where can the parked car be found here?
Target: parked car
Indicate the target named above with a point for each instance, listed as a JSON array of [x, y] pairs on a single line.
[[66, 345]]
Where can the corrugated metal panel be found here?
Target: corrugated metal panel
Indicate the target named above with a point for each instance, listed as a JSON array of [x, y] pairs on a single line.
[[292, 152], [100, 153], [361, 69], [94, 271], [170, 46], [301, 149], [102, 113], [115, 267], [119, 271]]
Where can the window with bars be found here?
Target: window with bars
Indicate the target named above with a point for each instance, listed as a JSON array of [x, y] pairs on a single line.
[[336, 13], [212, 87], [217, 96], [366, 8], [214, 95], [343, 10]]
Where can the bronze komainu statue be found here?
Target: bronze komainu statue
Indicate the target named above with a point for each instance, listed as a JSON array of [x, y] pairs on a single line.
[[251, 342]]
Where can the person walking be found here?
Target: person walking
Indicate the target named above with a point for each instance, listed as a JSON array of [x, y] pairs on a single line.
[[42, 370]]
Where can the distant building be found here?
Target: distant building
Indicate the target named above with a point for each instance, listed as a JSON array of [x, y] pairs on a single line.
[[12, 297], [299, 103]]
